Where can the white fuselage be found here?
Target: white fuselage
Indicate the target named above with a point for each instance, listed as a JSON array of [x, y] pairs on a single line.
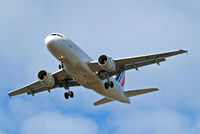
[[76, 64]]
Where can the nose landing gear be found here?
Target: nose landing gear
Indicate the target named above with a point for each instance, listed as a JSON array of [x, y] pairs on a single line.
[[60, 66]]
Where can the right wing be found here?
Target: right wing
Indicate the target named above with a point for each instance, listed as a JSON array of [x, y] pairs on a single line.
[[124, 64], [122, 61], [60, 77]]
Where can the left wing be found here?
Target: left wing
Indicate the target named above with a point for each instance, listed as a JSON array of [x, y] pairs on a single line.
[[61, 77], [124, 64]]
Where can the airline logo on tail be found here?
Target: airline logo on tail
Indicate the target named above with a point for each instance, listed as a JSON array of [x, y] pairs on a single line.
[[120, 78]]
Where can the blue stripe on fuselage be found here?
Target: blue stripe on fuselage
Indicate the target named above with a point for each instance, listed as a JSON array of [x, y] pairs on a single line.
[[120, 77]]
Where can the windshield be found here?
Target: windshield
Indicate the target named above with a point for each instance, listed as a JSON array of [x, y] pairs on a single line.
[[57, 34]]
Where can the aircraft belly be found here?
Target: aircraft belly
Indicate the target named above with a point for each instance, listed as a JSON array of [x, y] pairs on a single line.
[[81, 72]]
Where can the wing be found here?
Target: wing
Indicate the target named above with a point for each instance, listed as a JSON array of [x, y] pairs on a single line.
[[124, 64], [60, 77]]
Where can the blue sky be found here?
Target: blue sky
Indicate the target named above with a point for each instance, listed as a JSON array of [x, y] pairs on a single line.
[[115, 28]]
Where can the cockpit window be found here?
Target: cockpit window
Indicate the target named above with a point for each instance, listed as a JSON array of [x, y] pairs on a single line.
[[56, 34]]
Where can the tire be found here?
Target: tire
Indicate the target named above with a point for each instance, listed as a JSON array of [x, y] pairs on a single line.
[[71, 94], [62, 66], [106, 85], [66, 95], [111, 84], [59, 66]]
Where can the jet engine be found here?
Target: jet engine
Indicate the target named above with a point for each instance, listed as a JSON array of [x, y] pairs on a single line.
[[107, 63], [46, 78]]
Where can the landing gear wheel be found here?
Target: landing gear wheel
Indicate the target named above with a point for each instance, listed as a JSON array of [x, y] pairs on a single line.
[[62, 65], [111, 84], [66, 95], [71, 94], [106, 85], [61, 60], [59, 66]]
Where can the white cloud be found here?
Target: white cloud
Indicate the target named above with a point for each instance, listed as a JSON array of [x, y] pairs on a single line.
[[55, 122], [155, 121]]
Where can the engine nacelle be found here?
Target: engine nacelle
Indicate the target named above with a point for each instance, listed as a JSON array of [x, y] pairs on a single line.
[[46, 78], [107, 63]]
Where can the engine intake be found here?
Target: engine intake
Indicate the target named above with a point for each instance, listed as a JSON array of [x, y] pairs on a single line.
[[107, 63], [46, 78]]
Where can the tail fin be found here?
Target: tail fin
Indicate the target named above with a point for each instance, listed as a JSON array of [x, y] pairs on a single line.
[[120, 78]]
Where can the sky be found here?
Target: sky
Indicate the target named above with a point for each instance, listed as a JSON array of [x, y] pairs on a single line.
[[118, 29]]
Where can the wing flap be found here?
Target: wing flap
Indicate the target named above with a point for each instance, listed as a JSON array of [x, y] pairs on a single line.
[[37, 90], [71, 83], [139, 92], [143, 63], [102, 101], [25, 89]]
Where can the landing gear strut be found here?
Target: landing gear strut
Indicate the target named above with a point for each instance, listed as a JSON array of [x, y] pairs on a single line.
[[60, 66], [68, 93]]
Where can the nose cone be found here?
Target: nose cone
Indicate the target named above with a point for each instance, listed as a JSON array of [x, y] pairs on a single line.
[[55, 45], [53, 39], [50, 42]]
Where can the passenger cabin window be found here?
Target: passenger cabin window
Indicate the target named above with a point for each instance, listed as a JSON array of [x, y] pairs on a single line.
[[55, 34]]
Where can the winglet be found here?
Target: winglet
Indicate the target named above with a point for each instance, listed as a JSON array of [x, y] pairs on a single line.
[[183, 51], [9, 95], [186, 51]]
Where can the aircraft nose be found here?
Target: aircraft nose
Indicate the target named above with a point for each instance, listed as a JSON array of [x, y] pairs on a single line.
[[55, 45], [53, 40], [50, 42]]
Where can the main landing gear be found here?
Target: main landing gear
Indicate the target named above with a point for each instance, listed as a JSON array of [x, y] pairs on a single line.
[[60, 66], [68, 93], [108, 84]]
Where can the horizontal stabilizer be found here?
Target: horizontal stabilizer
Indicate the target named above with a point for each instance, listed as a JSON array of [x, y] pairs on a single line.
[[102, 101], [138, 92]]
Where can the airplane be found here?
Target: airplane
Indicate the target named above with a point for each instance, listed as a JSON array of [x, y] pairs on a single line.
[[105, 76]]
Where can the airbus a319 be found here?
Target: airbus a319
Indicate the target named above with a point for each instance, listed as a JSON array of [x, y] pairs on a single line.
[[106, 76]]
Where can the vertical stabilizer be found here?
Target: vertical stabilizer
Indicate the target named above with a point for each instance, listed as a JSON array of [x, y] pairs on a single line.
[[120, 78]]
